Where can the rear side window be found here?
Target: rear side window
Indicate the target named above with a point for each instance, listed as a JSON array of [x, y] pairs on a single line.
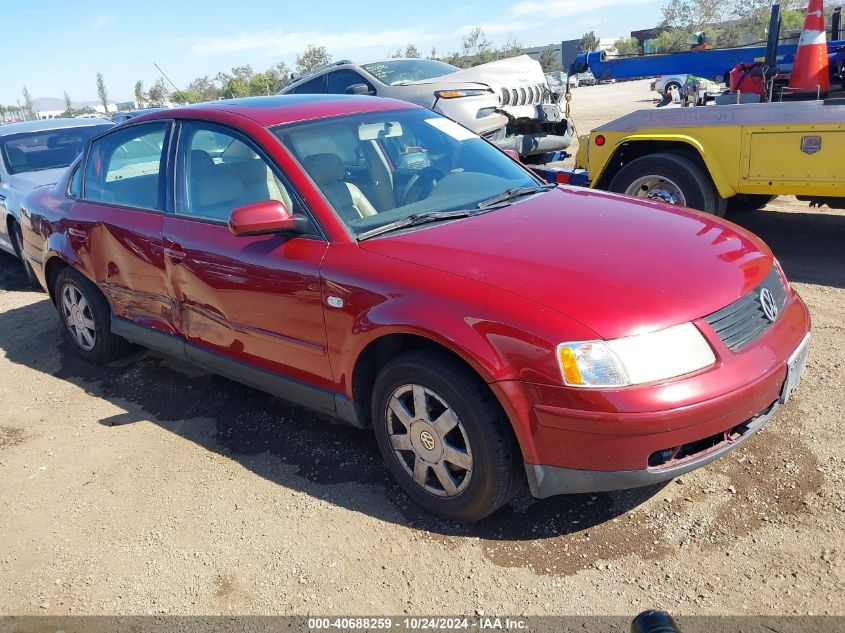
[[124, 168], [75, 187], [313, 87]]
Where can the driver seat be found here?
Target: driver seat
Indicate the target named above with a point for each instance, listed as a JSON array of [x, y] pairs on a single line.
[[328, 172]]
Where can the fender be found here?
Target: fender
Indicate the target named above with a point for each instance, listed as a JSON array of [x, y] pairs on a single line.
[[718, 176], [57, 247]]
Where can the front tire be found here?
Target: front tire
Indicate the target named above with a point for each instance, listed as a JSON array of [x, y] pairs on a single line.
[[670, 178], [86, 317], [444, 437]]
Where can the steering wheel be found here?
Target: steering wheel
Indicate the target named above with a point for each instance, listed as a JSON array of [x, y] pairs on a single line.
[[421, 185]]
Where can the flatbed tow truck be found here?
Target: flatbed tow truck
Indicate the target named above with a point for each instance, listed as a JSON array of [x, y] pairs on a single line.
[[718, 157]]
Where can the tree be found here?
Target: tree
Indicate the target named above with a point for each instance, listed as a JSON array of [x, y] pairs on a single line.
[[627, 46], [186, 96], [102, 93], [139, 93], [243, 72], [433, 54], [453, 59], [280, 74], [204, 88], [312, 58], [589, 42], [68, 105], [3, 111], [158, 94], [671, 42], [550, 60], [511, 48], [477, 48], [397, 54], [411, 52], [29, 112]]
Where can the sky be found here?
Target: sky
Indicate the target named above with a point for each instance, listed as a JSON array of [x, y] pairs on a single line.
[[60, 46]]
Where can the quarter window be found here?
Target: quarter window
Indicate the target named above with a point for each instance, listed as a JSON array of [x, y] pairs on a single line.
[[220, 172], [124, 167]]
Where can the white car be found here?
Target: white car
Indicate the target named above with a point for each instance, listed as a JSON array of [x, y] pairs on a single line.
[[33, 154], [508, 102], [663, 84]]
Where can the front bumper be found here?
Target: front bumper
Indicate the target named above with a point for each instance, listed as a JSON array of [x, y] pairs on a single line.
[[578, 440], [547, 481]]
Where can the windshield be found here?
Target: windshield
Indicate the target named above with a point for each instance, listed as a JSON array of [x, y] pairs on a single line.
[[48, 149], [380, 167], [399, 71]]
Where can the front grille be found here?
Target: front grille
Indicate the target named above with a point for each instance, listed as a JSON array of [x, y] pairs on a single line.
[[744, 319]]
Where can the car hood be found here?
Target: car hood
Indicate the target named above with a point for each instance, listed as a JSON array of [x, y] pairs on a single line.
[[617, 265], [512, 73], [29, 180]]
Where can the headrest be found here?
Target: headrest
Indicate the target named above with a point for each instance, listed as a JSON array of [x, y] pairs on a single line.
[[324, 168], [219, 190], [201, 161], [17, 157]]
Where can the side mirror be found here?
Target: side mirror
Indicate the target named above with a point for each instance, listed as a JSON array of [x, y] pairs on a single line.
[[513, 154], [265, 217], [359, 89]]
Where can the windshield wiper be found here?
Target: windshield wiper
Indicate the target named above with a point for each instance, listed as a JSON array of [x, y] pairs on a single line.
[[415, 220], [512, 194]]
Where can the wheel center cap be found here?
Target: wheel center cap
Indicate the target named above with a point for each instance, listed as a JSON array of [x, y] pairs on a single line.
[[425, 441]]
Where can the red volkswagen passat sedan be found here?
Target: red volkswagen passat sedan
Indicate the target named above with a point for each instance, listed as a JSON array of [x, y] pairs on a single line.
[[376, 262]]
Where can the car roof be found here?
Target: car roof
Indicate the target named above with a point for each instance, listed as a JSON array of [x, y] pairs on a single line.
[[290, 108], [49, 124]]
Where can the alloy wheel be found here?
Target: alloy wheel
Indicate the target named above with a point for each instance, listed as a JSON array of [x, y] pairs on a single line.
[[78, 317], [429, 440]]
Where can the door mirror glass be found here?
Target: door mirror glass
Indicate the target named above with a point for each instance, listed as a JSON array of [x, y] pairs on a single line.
[[264, 217], [358, 89]]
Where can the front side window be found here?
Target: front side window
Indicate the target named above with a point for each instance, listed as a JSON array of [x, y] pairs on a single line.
[[380, 167], [49, 149], [124, 168], [339, 80], [219, 172]]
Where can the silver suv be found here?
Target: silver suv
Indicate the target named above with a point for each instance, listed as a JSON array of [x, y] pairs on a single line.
[[509, 102]]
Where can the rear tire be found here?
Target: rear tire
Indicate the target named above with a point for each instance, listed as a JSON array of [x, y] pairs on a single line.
[[17, 242], [671, 178], [86, 317], [748, 202], [444, 437]]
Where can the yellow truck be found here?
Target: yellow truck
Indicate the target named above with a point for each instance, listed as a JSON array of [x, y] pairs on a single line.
[[716, 158]]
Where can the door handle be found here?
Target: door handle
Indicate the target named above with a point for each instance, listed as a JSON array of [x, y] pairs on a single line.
[[174, 252]]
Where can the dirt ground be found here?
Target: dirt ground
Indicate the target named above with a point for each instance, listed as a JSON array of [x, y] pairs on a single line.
[[149, 487]]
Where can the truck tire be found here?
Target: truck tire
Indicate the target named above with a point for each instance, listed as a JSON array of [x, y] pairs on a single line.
[[444, 437], [671, 178], [748, 202]]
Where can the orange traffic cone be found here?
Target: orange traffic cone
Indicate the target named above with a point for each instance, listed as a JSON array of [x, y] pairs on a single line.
[[809, 72]]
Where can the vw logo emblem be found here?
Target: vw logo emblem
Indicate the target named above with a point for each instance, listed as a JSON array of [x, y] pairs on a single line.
[[767, 302], [427, 440]]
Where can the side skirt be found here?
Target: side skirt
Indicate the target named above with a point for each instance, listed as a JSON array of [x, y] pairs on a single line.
[[330, 403]]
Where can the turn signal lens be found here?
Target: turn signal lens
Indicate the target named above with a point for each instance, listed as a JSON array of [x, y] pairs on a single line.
[[569, 366], [454, 94]]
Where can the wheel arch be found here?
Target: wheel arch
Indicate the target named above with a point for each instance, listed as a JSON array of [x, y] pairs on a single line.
[[387, 345], [636, 146]]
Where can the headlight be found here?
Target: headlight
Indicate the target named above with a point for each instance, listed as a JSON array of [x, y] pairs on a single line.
[[634, 360], [454, 94]]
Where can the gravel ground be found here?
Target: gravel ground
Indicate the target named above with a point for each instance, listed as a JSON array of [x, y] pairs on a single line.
[[149, 487]]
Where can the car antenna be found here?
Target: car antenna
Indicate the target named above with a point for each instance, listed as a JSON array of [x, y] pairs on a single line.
[[168, 80]]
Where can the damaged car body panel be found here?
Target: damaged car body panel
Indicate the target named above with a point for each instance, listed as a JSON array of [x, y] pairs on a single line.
[[508, 102]]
